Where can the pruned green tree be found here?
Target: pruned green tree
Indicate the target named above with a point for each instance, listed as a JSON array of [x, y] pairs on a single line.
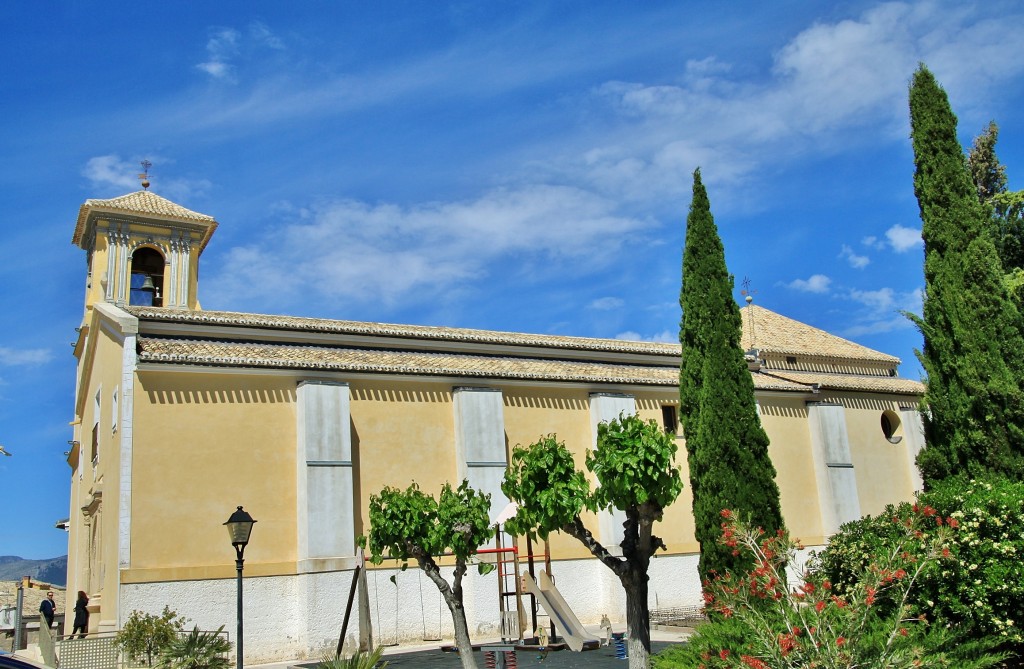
[[634, 466], [411, 525], [727, 448], [973, 334]]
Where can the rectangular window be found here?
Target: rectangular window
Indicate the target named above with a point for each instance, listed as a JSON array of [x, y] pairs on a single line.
[[96, 427], [669, 419]]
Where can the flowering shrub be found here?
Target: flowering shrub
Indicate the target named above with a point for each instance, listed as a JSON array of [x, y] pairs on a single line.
[[758, 621], [980, 591]]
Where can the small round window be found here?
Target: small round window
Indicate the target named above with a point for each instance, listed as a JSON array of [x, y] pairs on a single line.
[[891, 427]]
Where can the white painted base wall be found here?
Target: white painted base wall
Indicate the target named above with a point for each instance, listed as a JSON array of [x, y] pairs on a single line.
[[300, 617]]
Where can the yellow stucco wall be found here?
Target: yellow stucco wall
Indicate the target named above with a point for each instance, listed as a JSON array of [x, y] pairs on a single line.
[[882, 466], [209, 442], [101, 365], [785, 420]]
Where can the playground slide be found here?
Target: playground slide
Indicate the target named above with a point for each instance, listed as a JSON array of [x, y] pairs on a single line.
[[566, 622]]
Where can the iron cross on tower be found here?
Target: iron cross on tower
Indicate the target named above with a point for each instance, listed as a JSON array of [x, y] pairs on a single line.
[[144, 177]]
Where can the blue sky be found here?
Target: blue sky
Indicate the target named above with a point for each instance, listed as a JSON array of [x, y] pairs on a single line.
[[518, 166]]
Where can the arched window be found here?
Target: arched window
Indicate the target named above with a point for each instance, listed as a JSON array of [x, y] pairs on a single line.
[[891, 426], [147, 283]]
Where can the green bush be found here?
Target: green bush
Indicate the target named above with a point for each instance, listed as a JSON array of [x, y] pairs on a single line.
[[758, 621], [196, 650], [359, 660], [144, 636], [980, 592]]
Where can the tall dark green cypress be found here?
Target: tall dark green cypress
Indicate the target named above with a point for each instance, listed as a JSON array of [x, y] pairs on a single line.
[[973, 351], [727, 448]]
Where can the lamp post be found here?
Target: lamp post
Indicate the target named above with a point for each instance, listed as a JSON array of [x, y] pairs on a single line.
[[239, 527]]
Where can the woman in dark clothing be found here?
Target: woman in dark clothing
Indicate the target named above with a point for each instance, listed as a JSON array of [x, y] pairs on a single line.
[[81, 615]]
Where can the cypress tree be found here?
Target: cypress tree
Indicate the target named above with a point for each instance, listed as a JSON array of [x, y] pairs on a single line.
[[1005, 207], [973, 338], [727, 448]]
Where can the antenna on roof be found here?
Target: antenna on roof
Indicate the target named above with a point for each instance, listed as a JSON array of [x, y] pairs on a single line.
[[749, 293], [144, 177]]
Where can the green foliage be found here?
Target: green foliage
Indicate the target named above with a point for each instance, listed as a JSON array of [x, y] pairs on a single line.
[[704, 273], [542, 478], [757, 622], [1009, 214], [358, 660], [980, 591], [1015, 285], [411, 524], [144, 636], [634, 464], [1006, 207], [987, 173], [726, 445], [197, 650], [973, 333]]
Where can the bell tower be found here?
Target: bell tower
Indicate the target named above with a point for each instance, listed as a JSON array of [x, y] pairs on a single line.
[[142, 250]]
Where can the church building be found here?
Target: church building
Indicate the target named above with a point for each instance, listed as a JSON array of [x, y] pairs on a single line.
[[181, 415]]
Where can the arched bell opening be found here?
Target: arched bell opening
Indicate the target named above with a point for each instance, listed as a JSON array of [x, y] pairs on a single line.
[[147, 282]]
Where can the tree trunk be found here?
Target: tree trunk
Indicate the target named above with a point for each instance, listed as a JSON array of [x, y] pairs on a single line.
[[462, 640], [453, 598], [638, 631]]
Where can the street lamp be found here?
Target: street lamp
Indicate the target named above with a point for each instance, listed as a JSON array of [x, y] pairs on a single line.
[[239, 528]]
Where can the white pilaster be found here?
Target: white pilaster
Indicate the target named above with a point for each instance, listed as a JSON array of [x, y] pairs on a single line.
[[480, 441], [833, 466], [324, 489]]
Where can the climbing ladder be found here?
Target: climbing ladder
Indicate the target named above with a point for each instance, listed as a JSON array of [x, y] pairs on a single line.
[[510, 594]]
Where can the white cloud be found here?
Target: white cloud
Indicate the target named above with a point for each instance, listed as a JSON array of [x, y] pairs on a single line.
[[903, 239], [664, 337], [606, 303], [112, 171], [112, 174], [831, 86], [11, 357], [883, 310], [261, 34], [873, 242], [227, 45], [220, 48], [818, 283], [337, 252], [856, 261]]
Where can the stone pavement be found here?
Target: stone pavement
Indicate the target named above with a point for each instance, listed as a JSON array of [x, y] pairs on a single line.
[[432, 657], [602, 658]]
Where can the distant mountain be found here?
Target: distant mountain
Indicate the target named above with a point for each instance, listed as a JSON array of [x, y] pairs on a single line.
[[53, 571]]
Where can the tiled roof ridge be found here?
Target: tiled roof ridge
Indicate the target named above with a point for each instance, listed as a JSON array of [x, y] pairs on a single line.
[[842, 350], [800, 331], [148, 202], [174, 350], [843, 381], [145, 203], [433, 332]]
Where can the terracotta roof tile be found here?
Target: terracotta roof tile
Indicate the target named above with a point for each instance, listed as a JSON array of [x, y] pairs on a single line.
[[771, 332], [143, 203], [357, 360], [426, 332], [854, 382]]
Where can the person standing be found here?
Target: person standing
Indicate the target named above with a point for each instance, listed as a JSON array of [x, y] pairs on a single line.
[[48, 608], [81, 615]]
